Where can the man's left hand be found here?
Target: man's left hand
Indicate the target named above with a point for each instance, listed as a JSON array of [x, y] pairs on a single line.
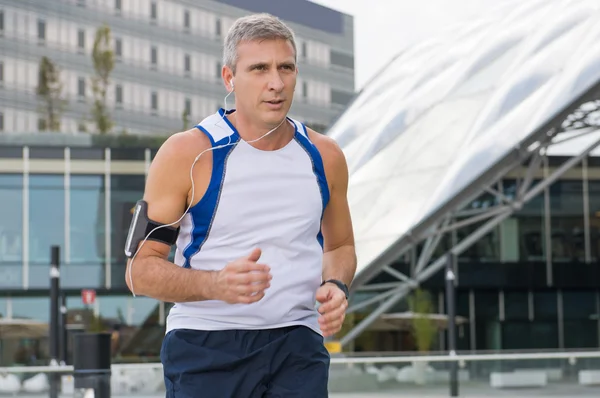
[[332, 309]]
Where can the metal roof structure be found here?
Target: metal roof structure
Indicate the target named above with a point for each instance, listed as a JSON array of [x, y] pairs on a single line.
[[445, 120]]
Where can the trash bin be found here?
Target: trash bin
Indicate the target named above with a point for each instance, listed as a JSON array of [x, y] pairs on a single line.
[[92, 362]]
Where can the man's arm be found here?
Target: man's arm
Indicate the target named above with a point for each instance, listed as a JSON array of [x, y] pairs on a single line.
[[168, 193], [339, 261]]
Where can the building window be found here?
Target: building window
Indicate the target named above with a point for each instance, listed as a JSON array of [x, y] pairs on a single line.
[[1, 121], [81, 39], [153, 56], [186, 19], [188, 63], [81, 87], [1, 20], [218, 27], [153, 11], [118, 47], [41, 124], [1, 72], [119, 94], [154, 101], [41, 29], [118, 5], [188, 106], [304, 51], [304, 89]]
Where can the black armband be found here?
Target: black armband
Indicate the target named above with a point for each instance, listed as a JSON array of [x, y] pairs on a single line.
[[143, 228]]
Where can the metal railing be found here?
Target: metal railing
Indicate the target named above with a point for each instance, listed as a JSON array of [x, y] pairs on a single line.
[[575, 373]]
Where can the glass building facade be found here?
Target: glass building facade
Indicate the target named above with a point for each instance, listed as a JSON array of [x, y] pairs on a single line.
[[79, 199]]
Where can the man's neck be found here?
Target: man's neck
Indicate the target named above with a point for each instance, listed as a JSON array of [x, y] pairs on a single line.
[[250, 132]]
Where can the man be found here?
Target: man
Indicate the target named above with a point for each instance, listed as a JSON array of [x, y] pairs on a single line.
[[267, 235]]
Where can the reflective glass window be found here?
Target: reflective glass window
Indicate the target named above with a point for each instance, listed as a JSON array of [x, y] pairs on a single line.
[[46, 218], [11, 230], [126, 190], [87, 229]]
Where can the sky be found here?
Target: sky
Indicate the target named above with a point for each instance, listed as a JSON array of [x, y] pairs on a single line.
[[379, 23]]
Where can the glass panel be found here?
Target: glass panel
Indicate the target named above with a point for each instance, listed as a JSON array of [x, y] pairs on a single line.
[[594, 202], [126, 190], [36, 308], [531, 228], [566, 208], [11, 230], [516, 305], [579, 304], [87, 232], [545, 305], [46, 224]]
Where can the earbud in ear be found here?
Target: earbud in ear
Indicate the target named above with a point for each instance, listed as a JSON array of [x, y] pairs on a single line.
[[231, 84]]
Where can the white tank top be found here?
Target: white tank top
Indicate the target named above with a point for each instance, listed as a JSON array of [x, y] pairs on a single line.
[[273, 200]]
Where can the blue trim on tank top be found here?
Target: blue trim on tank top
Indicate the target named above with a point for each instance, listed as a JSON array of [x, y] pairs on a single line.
[[318, 170], [203, 212]]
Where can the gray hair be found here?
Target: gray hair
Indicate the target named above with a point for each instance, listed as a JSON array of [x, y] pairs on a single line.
[[254, 27]]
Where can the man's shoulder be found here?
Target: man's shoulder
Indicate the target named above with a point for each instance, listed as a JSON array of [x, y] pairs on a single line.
[[182, 147], [328, 148]]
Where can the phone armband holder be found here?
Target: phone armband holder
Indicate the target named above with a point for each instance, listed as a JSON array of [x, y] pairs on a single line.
[[143, 228]]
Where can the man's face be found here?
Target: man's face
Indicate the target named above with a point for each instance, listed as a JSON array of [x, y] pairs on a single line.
[[265, 80]]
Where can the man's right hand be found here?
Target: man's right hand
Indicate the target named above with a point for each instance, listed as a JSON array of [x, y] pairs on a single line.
[[243, 280]]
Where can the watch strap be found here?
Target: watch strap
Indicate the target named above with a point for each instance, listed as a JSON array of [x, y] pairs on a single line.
[[339, 284]]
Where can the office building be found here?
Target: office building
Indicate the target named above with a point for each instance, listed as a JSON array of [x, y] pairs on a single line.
[[167, 61]]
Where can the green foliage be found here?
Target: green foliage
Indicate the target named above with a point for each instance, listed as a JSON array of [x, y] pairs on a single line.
[[96, 325], [104, 62], [186, 120], [49, 91], [124, 140], [424, 328]]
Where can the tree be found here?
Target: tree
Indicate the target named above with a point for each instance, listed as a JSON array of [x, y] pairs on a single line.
[[104, 62], [186, 120], [424, 328], [49, 91]]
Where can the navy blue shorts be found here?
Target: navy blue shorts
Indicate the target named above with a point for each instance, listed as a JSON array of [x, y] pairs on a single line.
[[290, 362]]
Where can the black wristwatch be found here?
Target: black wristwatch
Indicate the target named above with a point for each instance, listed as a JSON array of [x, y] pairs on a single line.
[[339, 284]]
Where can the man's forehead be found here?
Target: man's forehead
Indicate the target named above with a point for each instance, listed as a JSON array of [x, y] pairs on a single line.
[[254, 47]]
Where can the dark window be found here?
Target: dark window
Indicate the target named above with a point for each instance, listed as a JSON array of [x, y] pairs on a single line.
[[81, 38], [81, 87], [41, 29], [154, 55], [188, 63], [118, 47], [188, 106], [340, 97], [186, 19], [218, 27], [340, 59], [118, 5], [153, 10], [119, 94], [154, 100], [516, 305]]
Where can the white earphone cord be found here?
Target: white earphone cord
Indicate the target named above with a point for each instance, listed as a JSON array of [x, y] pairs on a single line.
[[229, 143]]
